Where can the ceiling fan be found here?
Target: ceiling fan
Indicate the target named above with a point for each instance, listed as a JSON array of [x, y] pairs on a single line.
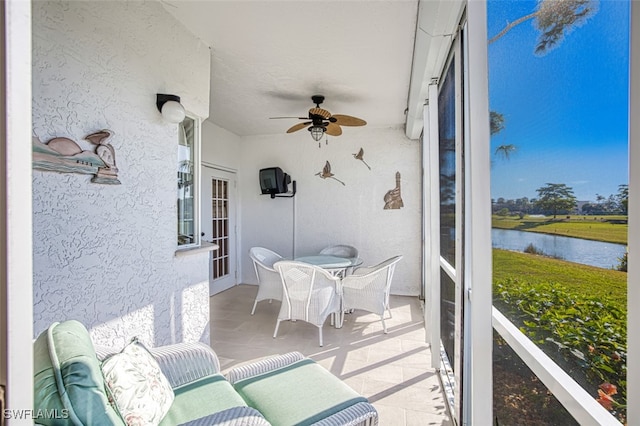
[[321, 121]]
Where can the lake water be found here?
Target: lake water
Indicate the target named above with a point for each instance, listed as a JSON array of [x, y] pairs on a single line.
[[587, 252]]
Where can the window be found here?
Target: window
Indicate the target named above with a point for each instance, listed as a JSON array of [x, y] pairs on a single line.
[[559, 180], [188, 167]]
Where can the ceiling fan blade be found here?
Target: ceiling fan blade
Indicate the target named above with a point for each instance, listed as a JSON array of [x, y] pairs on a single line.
[[333, 129], [300, 118], [347, 120], [321, 112], [298, 126]]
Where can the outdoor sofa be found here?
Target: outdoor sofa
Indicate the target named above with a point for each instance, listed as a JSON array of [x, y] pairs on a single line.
[[71, 389]]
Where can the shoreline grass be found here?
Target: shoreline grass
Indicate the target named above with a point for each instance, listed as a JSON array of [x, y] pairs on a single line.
[[611, 229]]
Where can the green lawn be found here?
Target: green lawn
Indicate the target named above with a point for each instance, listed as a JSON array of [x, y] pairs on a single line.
[[611, 229], [583, 278]]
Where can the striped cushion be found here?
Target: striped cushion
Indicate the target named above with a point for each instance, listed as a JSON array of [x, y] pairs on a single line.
[[302, 393], [185, 362], [238, 416]]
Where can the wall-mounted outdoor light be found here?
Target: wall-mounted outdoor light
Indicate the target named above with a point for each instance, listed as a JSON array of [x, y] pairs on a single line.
[[170, 108]]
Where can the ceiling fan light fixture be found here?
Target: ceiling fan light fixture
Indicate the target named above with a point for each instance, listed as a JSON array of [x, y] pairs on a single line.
[[317, 132]]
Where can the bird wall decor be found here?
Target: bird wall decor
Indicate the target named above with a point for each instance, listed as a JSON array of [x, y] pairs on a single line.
[[360, 156], [65, 155], [326, 173]]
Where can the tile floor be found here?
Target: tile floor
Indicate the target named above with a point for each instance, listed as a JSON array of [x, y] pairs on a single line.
[[392, 370]]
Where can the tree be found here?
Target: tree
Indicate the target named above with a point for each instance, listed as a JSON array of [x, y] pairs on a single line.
[[496, 122], [588, 208], [623, 197], [554, 19], [555, 198], [496, 125], [506, 150], [523, 205]]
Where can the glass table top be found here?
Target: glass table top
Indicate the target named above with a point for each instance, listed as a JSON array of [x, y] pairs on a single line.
[[326, 261]]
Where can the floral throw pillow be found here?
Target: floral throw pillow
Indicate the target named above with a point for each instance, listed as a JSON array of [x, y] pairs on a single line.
[[139, 390]]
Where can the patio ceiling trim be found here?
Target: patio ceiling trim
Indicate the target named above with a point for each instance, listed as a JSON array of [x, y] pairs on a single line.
[[437, 23]]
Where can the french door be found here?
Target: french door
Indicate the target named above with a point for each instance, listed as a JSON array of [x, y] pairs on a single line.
[[458, 223], [445, 219], [451, 212], [219, 226]]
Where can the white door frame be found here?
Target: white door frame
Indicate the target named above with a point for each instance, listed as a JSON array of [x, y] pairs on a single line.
[[478, 364], [16, 265], [233, 233]]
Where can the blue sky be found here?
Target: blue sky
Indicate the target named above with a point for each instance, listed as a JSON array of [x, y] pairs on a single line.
[[566, 111]]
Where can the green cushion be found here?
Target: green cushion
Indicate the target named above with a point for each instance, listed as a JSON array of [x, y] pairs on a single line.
[[299, 394], [68, 379], [205, 396]]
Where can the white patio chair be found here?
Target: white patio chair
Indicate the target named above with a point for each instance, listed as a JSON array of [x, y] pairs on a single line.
[[340, 250], [368, 289], [269, 283], [310, 294]]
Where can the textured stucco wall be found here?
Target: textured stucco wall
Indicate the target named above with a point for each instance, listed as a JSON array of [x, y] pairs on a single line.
[[104, 254], [326, 212], [220, 147]]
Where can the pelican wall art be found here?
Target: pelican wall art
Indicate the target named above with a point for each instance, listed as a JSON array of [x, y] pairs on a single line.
[[360, 156], [326, 173], [64, 155]]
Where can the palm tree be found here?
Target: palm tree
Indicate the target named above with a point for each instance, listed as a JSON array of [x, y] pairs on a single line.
[[554, 19], [496, 122], [506, 150]]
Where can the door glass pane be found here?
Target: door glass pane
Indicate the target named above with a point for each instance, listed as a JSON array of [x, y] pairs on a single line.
[[447, 163], [447, 144], [559, 176], [220, 227], [448, 315]]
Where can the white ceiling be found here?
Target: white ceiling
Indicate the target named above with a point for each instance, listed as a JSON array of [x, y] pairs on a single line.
[[270, 56]]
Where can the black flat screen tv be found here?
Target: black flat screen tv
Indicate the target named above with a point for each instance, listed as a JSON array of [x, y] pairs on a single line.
[[274, 181]]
